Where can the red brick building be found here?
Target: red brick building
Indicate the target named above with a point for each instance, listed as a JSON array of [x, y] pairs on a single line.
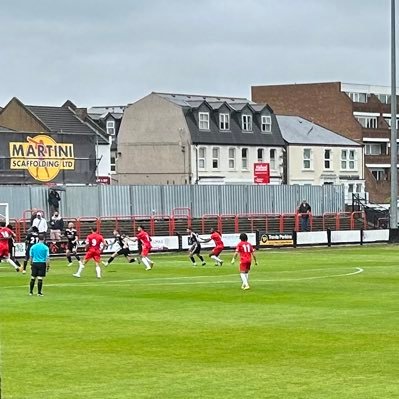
[[359, 112]]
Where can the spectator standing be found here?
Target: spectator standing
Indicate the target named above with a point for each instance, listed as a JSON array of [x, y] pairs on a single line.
[[33, 216], [54, 201], [39, 255], [56, 226], [304, 210], [41, 223]]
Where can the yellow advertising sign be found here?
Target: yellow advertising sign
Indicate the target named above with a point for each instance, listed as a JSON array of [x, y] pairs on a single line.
[[42, 156]]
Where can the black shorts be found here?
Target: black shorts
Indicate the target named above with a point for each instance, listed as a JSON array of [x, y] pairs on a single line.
[[124, 251], [39, 269], [195, 248], [72, 246]]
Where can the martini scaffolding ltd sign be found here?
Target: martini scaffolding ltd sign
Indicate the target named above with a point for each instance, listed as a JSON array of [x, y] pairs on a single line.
[[42, 157]]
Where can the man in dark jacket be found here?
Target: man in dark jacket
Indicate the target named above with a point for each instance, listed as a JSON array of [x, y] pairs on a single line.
[[54, 201], [304, 210]]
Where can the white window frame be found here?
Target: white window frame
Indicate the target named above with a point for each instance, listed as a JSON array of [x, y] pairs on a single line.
[[203, 120], [262, 157], [232, 158], [112, 161], [348, 162], [327, 159], [372, 149], [224, 121], [110, 127], [358, 97], [272, 158], [244, 160], [368, 122], [307, 159], [246, 123], [202, 158], [216, 158], [379, 174], [266, 123], [384, 98]]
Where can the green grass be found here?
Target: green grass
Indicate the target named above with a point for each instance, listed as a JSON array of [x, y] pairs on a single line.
[[307, 329]]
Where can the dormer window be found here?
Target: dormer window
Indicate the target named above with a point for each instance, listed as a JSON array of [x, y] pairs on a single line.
[[266, 123], [224, 121], [203, 120], [247, 123], [110, 128]]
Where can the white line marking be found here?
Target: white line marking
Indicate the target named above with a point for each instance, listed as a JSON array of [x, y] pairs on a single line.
[[152, 281]]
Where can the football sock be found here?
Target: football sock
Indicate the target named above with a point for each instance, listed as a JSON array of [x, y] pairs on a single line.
[[25, 264], [31, 284], [192, 259], [77, 257], [244, 278], [16, 262], [39, 285], [146, 263], [11, 262], [215, 258], [81, 267], [98, 271], [69, 257], [110, 260], [201, 258]]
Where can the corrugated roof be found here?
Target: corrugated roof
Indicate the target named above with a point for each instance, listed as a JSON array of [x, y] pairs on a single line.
[[297, 130]]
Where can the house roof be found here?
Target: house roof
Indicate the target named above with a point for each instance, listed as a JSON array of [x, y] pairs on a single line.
[[297, 130], [65, 120], [6, 129]]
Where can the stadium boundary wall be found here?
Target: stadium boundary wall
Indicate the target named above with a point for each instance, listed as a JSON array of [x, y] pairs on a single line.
[[103, 201]]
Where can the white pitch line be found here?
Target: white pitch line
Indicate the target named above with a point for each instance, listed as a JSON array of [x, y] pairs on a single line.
[[120, 283]]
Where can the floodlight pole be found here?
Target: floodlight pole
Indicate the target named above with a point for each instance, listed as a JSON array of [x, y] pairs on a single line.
[[394, 233]]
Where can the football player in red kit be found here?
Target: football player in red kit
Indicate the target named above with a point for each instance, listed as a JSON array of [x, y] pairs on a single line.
[[246, 252], [5, 235], [94, 244], [219, 246], [146, 246]]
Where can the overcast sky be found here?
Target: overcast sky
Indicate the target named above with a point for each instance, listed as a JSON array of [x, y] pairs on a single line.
[[97, 52]]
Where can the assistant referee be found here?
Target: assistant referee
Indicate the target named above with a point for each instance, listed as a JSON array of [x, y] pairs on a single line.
[[39, 256]]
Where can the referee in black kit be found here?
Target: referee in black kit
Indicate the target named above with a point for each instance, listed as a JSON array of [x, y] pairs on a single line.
[[39, 256]]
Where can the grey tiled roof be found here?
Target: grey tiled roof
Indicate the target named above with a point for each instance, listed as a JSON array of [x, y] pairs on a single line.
[[63, 119], [297, 130]]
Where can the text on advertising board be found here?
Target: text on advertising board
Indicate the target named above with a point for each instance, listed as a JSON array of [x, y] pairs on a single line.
[[261, 173]]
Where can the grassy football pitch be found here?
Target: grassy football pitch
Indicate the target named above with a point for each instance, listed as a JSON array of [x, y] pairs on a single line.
[[316, 324]]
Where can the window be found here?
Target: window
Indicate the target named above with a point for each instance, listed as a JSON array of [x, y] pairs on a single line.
[[261, 153], [215, 158], [232, 158], [373, 149], [379, 174], [348, 160], [350, 188], [113, 161], [358, 97], [388, 120], [384, 98], [201, 158], [272, 158], [359, 187], [224, 121], [111, 127], [247, 123], [307, 160], [327, 159], [203, 118], [244, 158], [266, 123], [369, 122]]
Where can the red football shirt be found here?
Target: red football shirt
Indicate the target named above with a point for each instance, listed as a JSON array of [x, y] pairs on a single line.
[[144, 238], [245, 249], [94, 241], [217, 238], [5, 235]]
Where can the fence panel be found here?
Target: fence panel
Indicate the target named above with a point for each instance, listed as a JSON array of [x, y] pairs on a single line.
[[115, 201]]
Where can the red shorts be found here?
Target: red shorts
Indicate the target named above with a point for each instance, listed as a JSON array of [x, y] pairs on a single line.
[[217, 251], [245, 267], [93, 254], [145, 251], [4, 251]]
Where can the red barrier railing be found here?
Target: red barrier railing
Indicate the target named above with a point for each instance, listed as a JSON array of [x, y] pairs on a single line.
[[179, 221]]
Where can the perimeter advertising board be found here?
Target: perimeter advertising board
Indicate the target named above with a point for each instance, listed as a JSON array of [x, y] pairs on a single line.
[[276, 240]]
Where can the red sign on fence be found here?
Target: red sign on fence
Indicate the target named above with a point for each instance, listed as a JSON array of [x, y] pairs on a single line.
[[261, 173]]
